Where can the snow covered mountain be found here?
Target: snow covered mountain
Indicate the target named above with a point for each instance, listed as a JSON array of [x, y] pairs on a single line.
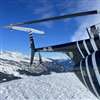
[[12, 62], [26, 85]]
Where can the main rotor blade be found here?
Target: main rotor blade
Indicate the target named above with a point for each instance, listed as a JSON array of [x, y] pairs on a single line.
[[60, 17], [25, 29]]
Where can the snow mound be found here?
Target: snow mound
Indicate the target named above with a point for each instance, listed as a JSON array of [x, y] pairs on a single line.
[[49, 87]]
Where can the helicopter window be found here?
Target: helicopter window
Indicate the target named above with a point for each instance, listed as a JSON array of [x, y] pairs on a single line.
[[94, 30], [71, 54]]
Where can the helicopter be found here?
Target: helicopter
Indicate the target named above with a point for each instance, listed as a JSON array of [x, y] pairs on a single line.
[[85, 53]]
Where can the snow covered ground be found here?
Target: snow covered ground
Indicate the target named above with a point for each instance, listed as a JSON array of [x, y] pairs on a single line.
[[54, 86]]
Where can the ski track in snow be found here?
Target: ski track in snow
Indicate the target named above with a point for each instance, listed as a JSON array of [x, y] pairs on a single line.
[[56, 86]]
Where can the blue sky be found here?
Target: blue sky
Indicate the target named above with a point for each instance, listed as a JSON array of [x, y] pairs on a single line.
[[57, 32]]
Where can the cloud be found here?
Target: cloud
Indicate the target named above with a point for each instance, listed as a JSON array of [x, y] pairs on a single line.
[[47, 8], [84, 22]]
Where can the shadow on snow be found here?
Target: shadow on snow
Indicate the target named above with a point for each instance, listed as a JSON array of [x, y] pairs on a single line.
[[7, 77]]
